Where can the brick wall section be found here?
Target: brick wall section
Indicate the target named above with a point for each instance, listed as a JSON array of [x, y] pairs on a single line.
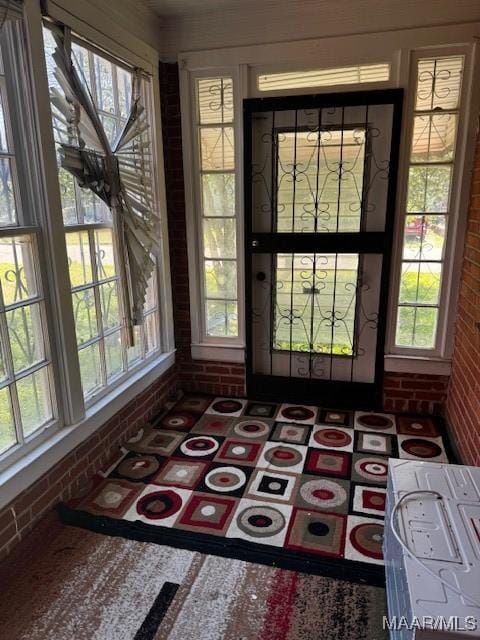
[[463, 401], [73, 471], [217, 378], [415, 393]]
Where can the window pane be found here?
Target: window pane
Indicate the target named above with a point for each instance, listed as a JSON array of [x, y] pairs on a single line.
[[85, 314], [424, 237], [104, 84], [134, 354], [113, 355], [124, 83], [151, 332], [8, 436], [151, 297], [218, 194], [434, 137], [67, 194], [17, 270], [222, 318], [34, 400], [439, 83], [428, 189], [221, 279], [3, 130], [420, 282], [79, 262], [8, 210], [356, 74], [26, 336], [90, 368], [215, 100], [3, 373], [80, 57], [105, 255], [91, 208], [219, 238], [417, 327], [109, 305], [217, 151]]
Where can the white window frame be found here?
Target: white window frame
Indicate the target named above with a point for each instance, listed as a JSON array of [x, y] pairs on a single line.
[[205, 347], [78, 419], [24, 120], [441, 353], [397, 48]]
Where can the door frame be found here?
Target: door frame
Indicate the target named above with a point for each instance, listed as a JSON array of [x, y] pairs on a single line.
[[361, 395]]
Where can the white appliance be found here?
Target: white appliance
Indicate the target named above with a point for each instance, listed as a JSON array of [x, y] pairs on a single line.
[[432, 551]]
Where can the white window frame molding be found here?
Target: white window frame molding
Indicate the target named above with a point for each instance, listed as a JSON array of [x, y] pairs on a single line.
[[206, 347], [395, 47], [438, 359], [77, 416]]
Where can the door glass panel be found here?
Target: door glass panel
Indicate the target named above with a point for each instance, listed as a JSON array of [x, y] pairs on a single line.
[[320, 180], [315, 301]]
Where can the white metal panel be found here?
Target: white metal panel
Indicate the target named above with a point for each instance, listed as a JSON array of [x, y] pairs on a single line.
[[444, 534]]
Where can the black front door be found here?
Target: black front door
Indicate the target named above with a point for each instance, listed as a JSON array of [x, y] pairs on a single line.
[[320, 176]]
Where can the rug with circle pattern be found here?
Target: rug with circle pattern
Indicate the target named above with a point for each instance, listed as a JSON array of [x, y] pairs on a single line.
[[292, 486]]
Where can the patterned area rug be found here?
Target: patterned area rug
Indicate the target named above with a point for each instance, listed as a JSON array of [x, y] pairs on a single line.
[[299, 487], [85, 586]]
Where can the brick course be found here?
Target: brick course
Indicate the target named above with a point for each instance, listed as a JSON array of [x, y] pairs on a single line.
[[414, 393], [463, 400], [75, 469]]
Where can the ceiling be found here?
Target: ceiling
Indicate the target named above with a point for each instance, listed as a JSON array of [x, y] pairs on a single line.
[[169, 8]]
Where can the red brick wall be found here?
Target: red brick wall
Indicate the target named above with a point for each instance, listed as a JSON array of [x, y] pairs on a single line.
[[73, 471], [414, 393], [217, 378], [463, 401]]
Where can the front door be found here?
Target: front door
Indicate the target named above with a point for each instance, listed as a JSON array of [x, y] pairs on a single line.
[[320, 174]]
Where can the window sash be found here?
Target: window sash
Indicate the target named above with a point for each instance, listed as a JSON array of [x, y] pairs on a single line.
[[449, 272], [202, 302], [96, 345], [25, 329]]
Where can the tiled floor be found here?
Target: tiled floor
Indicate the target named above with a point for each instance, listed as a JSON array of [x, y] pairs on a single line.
[[289, 485]]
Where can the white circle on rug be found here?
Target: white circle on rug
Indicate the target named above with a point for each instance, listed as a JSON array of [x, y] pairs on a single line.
[[225, 479], [238, 450], [112, 497], [207, 510]]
